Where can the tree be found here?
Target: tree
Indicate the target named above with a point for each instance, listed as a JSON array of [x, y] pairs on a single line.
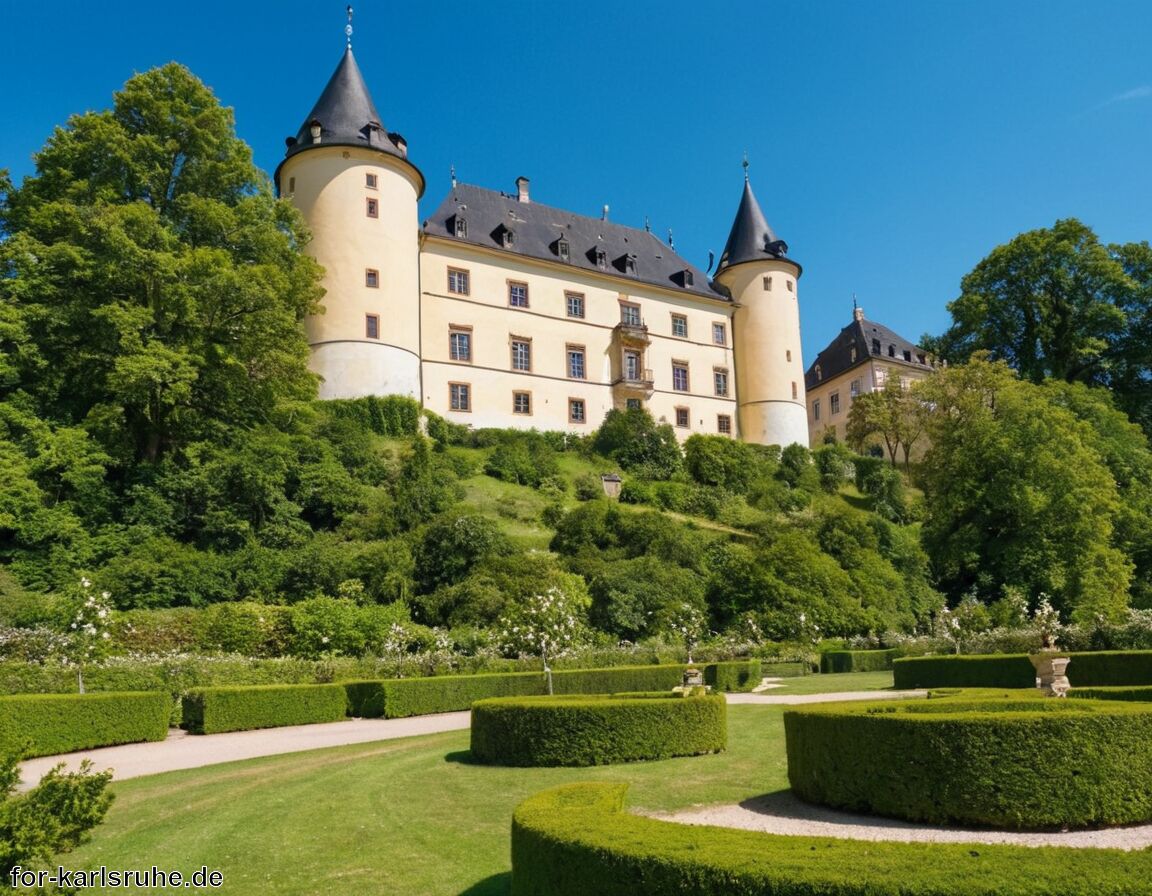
[[895, 413], [634, 440], [544, 625], [1057, 303], [1017, 493], [154, 273]]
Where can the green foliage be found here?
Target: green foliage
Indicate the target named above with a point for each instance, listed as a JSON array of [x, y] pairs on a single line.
[[895, 414], [526, 459], [579, 731], [1017, 494], [634, 440], [47, 724], [452, 545], [53, 817], [213, 710], [857, 660], [1009, 763], [1109, 668], [577, 839], [396, 416], [733, 677]]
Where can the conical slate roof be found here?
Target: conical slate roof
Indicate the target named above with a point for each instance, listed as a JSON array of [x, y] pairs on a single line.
[[346, 114], [751, 239]]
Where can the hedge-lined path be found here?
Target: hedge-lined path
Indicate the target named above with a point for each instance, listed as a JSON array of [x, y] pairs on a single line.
[[181, 750], [783, 813]]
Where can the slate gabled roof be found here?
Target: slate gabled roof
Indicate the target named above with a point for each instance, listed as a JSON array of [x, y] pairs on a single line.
[[537, 231], [346, 114], [751, 239], [871, 340]]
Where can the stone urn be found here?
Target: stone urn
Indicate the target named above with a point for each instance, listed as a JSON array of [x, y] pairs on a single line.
[[1051, 673]]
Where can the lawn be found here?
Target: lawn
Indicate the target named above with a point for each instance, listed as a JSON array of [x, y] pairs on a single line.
[[829, 683], [405, 818]]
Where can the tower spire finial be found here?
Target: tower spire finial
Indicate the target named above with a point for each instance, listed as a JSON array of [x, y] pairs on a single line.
[[348, 28], [745, 161]]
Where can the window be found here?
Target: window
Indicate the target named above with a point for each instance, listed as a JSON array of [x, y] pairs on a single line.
[[372, 326], [460, 344], [880, 375], [371, 278], [458, 281], [460, 396], [852, 354], [576, 367], [788, 283], [907, 355], [680, 326], [460, 226], [682, 417], [767, 284], [630, 314], [719, 334], [816, 409], [370, 181], [507, 238], [795, 392], [517, 294], [563, 250], [373, 208], [854, 388], [720, 381], [788, 355], [576, 411], [680, 376], [724, 424], [521, 354], [630, 264], [521, 402], [632, 368], [575, 303], [891, 351], [875, 346], [819, 373], [834, 402], [291, 185], [601, 259], [633, 404]]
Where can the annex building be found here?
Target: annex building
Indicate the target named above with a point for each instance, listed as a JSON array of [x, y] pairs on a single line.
[[499, 311]]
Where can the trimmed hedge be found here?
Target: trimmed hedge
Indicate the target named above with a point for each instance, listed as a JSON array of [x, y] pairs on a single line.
[[832, 661], [402, 697], [577, 839], [1105, 668], [214, 710], [580, 731], [784, 670], [47, 724], [1009, 763], [1134, 695]]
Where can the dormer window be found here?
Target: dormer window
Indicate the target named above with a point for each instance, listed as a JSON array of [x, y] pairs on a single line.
[[626, 263], [852, 354], [507, 238], [460, 226], [875, 346], [601, 259], [907, 355], [563, 250], [891, 351], [819, 373]]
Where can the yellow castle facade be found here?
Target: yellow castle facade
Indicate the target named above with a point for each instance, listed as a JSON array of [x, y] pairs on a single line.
[[499, 311]]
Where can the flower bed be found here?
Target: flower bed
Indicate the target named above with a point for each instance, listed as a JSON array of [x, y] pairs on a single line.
[[1013, 763], [575, 731]]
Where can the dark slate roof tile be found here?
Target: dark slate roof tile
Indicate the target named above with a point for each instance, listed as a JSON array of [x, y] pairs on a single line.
[[751, 239], [871, 340]]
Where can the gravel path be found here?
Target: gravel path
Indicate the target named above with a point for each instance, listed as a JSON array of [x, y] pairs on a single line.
[[782, 813], [182, 750]]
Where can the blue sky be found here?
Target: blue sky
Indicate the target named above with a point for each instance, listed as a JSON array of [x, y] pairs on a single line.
[[892, 144]]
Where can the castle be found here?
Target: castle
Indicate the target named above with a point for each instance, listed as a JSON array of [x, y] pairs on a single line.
[[502, 312]]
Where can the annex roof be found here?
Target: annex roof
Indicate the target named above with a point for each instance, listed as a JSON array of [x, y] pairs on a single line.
[[482, 217], [870, 341]]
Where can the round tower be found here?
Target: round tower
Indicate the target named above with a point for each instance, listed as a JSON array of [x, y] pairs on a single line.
[[764, 285], [355, 187]]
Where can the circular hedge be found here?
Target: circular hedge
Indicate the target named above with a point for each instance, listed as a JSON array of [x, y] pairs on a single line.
[[1013, 763], [596, 730]]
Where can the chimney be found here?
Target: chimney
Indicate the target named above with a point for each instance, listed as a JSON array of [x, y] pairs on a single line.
[[522, 189]]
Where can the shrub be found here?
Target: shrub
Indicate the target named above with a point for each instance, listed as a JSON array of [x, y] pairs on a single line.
[[578, 731], [1137, 695], [47, 724], [1028, 763], [737, 676], [213, 710], [857, 660], [577, 839]]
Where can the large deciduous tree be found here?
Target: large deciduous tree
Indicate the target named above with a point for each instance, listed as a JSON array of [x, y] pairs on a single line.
[[1057, 303], [152, 278], [1035, 487]]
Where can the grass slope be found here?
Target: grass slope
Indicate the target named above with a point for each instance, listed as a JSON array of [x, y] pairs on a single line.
[[410, 817]]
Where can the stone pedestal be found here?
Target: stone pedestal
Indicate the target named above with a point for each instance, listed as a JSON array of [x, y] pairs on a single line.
[[1050, 670]]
